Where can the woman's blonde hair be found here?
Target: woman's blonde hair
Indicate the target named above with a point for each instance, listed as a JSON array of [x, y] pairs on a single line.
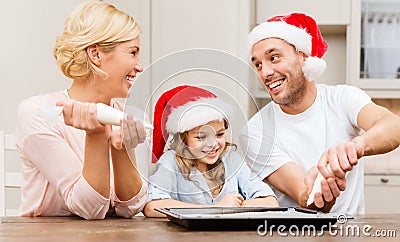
[[92, 22], [185, 163]]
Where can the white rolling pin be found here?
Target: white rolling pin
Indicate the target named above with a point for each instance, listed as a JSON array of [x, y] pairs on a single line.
[[316, 187], [108, 115], [105, 115]]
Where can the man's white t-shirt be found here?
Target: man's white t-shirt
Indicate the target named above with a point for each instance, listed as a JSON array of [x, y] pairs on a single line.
[[273, 138]]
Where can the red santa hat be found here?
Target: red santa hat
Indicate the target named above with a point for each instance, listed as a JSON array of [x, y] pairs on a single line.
[[183, 108], [302, 32]]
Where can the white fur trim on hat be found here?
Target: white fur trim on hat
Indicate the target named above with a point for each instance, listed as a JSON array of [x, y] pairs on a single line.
[[290, 33], [196, 113], [313, 67]]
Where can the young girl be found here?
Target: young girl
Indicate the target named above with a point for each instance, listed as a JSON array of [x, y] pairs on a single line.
[[200, 168]]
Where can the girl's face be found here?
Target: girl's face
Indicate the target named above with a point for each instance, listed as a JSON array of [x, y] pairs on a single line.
[[122, 66], [206, 143]]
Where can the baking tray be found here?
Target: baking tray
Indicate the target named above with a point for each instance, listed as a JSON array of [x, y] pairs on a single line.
[[247, 218]]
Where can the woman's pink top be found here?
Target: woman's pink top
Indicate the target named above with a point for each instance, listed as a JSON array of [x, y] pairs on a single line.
[[52, 160]]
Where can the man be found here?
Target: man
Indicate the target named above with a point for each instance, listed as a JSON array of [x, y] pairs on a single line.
[[308, 124]]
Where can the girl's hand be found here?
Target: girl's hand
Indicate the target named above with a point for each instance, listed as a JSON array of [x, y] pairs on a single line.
[[82, 115], [230, 200]]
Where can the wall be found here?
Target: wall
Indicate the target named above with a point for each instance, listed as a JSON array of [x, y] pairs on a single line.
[[28, 68]]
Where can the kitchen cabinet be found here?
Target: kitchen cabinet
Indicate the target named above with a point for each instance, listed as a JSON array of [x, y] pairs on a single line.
[[382, 182], [327, 12], [382, 194], [374, 50], [179, 26]]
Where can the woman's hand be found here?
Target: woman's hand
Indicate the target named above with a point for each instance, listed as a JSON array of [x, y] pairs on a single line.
[[82, 115], [116, 139], [131, 134]]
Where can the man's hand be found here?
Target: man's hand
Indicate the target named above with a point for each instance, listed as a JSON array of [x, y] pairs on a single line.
[[340, 159], [330, 190]]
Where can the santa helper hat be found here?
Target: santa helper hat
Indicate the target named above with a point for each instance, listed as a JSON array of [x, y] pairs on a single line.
[[302, 32], [181, 109]]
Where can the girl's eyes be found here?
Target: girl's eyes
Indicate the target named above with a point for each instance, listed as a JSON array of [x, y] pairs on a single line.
[[134, 53], [201, 137]]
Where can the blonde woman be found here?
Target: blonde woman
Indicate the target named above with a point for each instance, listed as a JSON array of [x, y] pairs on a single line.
[[201, 167], [79, 166]]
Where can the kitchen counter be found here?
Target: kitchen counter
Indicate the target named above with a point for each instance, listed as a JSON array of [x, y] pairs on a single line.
[[361, 228]]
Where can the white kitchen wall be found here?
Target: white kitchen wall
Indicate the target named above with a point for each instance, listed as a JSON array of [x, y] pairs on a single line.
[[27, 67]]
